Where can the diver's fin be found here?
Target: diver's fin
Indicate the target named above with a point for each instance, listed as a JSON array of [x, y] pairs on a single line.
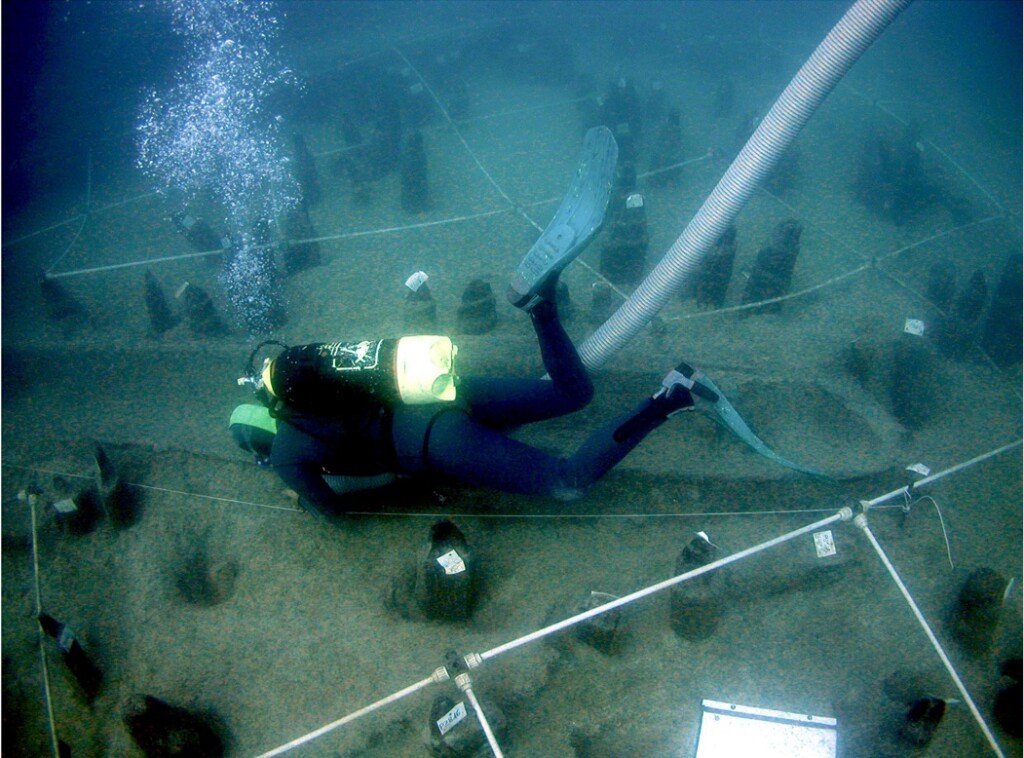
[[726, 414], [578, 217]]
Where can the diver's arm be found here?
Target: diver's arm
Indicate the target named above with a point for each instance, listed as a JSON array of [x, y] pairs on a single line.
[[314, 494]]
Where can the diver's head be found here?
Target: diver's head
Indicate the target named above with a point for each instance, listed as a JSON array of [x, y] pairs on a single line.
[[254, 429]]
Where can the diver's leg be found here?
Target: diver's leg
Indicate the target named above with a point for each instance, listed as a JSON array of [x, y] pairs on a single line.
[[454, 444], [511, 402], [603, 449]]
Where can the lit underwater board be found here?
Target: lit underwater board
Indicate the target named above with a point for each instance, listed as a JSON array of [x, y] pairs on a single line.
[[728, 730]]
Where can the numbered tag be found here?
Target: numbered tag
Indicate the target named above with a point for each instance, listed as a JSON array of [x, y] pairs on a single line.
[[919, 468], [415, 281], [67, 505], [65, 640], [452, 562], [824, 544], [451, 719], [914, 326]]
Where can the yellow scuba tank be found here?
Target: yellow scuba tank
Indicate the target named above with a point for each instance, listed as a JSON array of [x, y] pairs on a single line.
[[412, 370]]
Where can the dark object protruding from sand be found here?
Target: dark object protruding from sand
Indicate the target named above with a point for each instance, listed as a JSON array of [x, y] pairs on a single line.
[[161, 317], [600, 632], [478, 313], [891, 179], [304, 169], [920, 721], [203, 579], [455, 732], [715, 271], [58, 303], [86, 673], [667, 152], [203, 319], [1001, 335], [625, 250], [201, 237], [958, 329], [415, 192], [115, 497], [621, 112], [911, 381], [443, 585], [166, 731], [447, 581], [602, 303], [696, 608], [77, 511], [942, 284], [301, 251], [975, 614], [1007, 705], [419, 311], [773, 269]]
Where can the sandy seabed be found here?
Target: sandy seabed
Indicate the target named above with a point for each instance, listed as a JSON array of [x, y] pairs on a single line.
[[304, 637]]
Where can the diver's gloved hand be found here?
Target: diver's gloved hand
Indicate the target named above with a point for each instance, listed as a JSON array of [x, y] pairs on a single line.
[[681, 385]]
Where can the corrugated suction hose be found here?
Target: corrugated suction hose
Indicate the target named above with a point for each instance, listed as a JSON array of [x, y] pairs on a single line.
[[849, 38]]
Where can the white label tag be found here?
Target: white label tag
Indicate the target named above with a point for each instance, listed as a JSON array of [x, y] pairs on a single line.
[[452, 563], [636, 200], [914, 326], [65, 639], [824, 544], [415, 281], [919, 468], [67, 505], [448, 721]]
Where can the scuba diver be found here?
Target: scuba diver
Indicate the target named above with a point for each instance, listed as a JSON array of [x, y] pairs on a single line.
[[327, 436], [339, 417]]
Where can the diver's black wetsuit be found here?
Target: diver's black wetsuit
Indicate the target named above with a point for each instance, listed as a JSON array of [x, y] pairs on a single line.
[[465, 439]]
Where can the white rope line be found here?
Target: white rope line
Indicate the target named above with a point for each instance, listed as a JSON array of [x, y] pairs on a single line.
[[424, 514], [840, 277], [128, 201], [183, 493], [674, 166], [861, 521], [942, 523], [50, 228], [938, 235], [503, 114], [458, 133], [327, 238], [40, 637], [85, 219], [769, 301]]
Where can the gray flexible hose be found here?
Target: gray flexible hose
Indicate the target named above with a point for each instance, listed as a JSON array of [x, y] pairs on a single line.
[[859, 27]]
